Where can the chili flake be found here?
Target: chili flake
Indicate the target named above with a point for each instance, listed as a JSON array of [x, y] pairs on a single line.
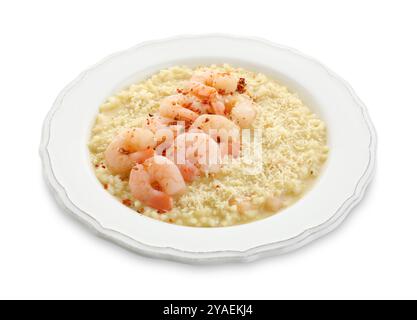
[[127, 202], [241, 86]]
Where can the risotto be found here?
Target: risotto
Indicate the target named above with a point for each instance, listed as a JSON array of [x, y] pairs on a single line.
[[292, 139]]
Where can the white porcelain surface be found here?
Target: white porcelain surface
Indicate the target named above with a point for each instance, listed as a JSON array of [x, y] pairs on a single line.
[[341, 186]]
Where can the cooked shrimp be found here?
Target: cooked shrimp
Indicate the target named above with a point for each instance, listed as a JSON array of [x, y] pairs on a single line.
[[208, 95], [229, 102], [201, 90], [155, 182], [155, 122], [217, 105], [195, 153], [194, 103], [177, 107], [223, 82], [244, 112], [222, 130], [205, 77], [189, 171], [165, 129], [207, 122], [129, 147]]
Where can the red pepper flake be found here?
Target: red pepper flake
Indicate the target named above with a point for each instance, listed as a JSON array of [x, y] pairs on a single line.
[[207, 120], [127, 202], [221, 91], [96, 165], [150, 114], [161, 211], [241, 86], [105, 186], [103, 166], [182, 91], [140, 210]]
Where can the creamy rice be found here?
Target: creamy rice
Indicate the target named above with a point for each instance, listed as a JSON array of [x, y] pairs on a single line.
[[294, 150]]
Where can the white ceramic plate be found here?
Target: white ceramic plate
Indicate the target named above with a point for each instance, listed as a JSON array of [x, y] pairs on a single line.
[[341, 186]]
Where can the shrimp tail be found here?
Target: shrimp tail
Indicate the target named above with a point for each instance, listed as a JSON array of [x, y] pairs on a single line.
[[160, 201], [189, 171]]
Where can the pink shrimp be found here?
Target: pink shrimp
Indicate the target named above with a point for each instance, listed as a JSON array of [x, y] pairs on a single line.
[[177, 107], [129, 147], [155, 182], [223, 82], [209, 95], [222, 130], [244, 112], [195, 153]]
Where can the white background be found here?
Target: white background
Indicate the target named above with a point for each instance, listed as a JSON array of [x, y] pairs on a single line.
[[45, 253]]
